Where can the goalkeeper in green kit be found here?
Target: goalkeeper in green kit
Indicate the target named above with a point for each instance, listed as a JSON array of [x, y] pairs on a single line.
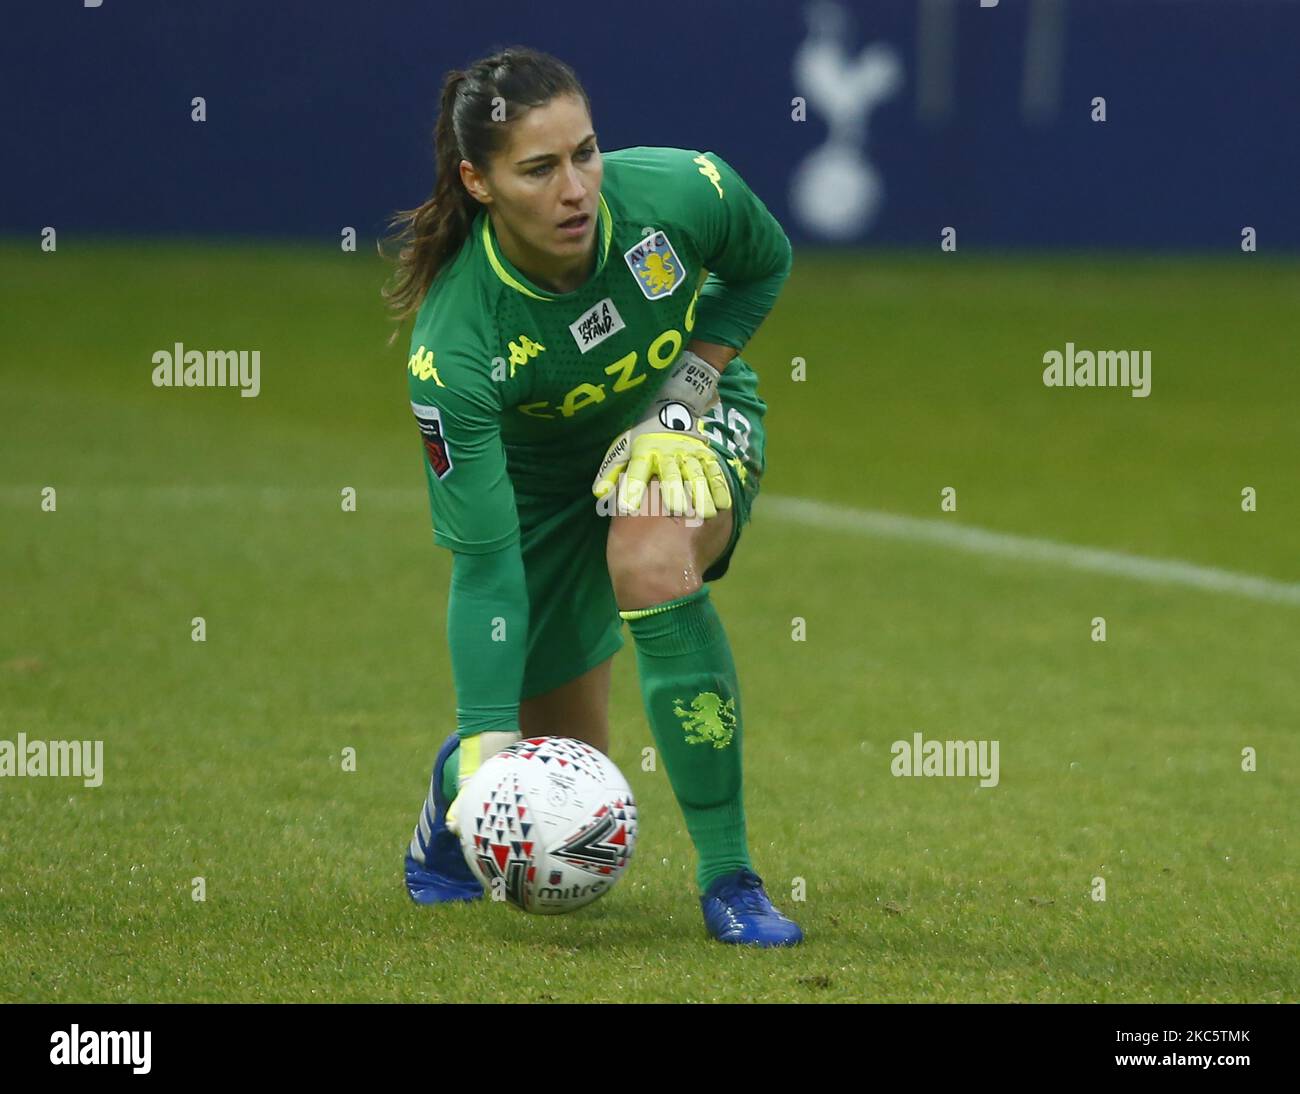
[[592, 447]]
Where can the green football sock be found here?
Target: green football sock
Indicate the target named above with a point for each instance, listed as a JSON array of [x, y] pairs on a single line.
[[451, 776], [692, 701]]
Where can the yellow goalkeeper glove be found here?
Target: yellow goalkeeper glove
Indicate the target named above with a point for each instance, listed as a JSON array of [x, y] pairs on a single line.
[[691, 479], [473, 751], [670, 445]]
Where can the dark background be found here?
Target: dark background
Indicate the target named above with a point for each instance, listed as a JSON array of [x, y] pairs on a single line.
[[319, 114]]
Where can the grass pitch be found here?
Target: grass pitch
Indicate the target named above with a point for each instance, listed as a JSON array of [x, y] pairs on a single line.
[[1119, 760]]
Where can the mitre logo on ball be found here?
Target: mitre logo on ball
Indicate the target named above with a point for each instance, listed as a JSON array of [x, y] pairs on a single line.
[[553, 826]]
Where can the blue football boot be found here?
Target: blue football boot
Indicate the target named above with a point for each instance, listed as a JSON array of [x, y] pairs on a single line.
[[737, 910], [436, 870]]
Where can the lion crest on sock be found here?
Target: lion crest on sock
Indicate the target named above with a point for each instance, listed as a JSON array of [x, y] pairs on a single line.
[[709, 721]]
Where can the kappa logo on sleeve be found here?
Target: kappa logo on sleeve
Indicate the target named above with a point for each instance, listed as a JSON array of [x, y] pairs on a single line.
[[435, 444], [710, 171], [421, 366]]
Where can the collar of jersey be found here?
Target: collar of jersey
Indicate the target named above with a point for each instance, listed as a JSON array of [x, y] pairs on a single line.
[[506, 272]]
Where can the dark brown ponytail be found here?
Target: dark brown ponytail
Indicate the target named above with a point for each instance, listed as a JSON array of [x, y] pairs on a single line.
[[468, 127]]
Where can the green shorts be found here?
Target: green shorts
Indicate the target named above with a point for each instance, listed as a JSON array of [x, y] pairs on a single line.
[[574, 623]]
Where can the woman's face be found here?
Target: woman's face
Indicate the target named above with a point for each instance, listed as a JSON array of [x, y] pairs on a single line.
[[549, 172]]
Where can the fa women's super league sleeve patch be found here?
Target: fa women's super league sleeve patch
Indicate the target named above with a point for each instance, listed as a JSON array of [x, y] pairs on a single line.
[[435, 444]]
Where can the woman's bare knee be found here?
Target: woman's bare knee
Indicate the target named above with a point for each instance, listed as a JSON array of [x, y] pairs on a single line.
[[655, 559]]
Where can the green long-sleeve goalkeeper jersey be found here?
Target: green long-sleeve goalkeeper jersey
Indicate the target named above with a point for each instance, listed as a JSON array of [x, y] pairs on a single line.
[[518, 391]]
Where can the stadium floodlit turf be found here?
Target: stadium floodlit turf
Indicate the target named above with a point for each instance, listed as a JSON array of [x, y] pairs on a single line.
[[1119, 760]]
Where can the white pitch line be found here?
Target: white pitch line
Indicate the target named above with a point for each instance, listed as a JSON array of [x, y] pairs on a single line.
[[980, 541]]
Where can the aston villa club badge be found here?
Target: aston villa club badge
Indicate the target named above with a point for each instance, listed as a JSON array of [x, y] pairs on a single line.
[[655, 266]]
